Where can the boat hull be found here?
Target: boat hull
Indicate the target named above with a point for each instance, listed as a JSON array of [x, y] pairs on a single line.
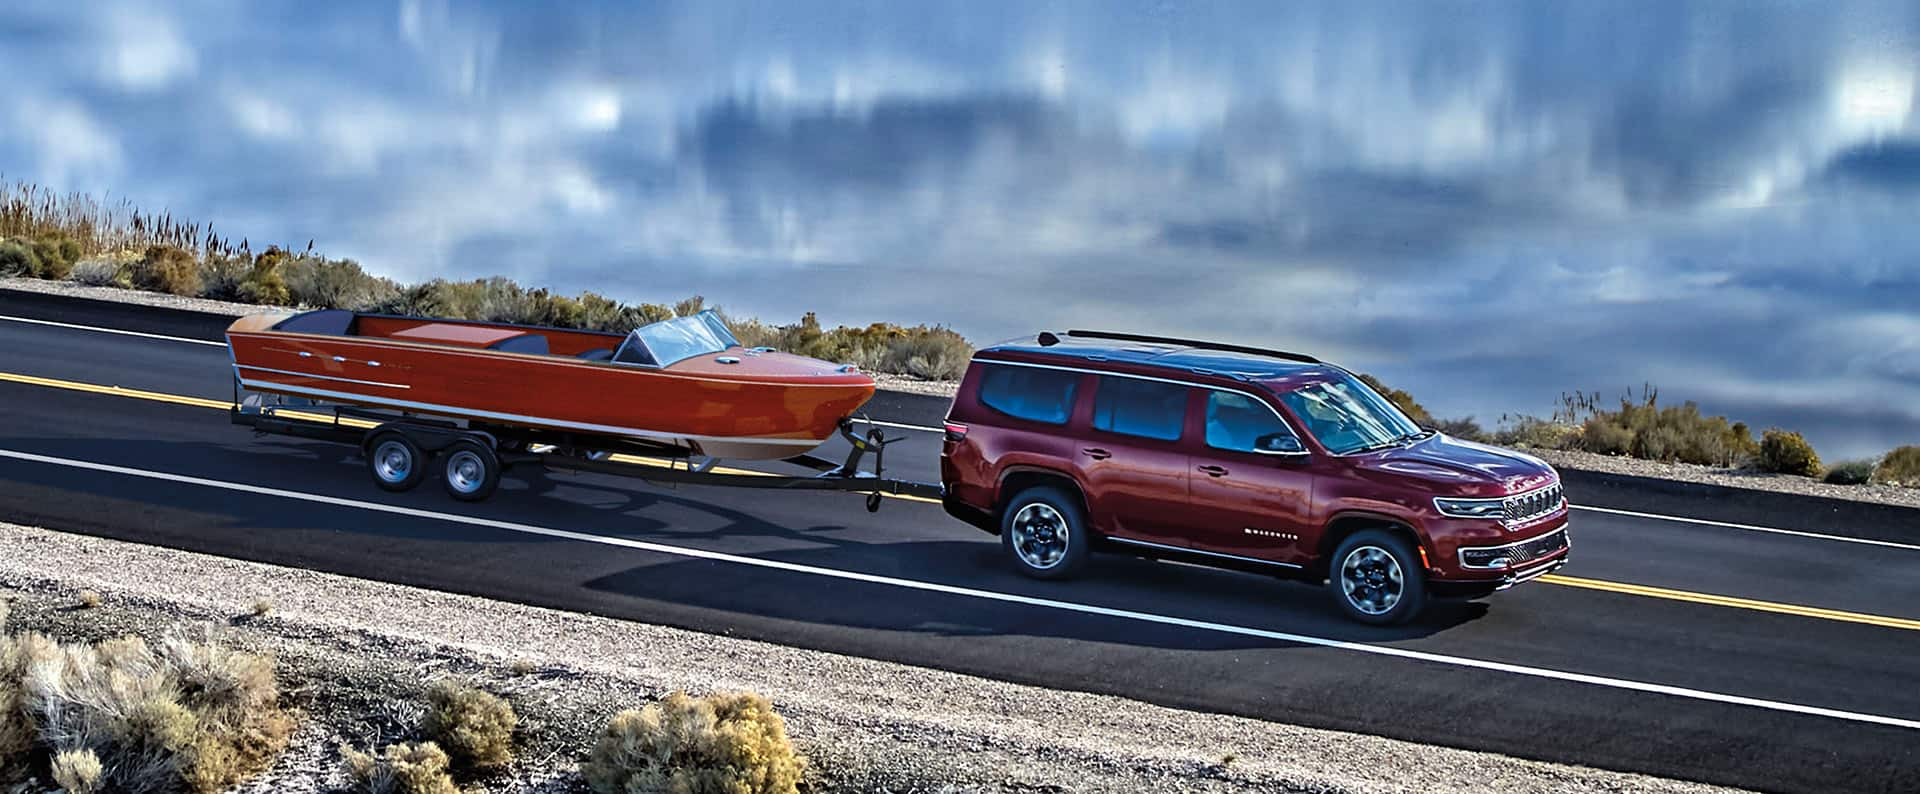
[[760, 409]]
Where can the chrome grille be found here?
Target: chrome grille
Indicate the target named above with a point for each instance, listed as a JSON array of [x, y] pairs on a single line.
[[1534, 503], [1516, 554]]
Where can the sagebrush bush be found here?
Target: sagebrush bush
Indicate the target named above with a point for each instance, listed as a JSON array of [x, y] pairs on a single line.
[[1645, 429], [475, 728], [177, 717], [731, 743], [1850, 472], [1464, 427], [1786, 452], [167, 269], [928, 353], [100, 273], [1900, 467], [57, 256], [17, 258], [1536, 433], [400, 769], [222, 277], [77, 771]]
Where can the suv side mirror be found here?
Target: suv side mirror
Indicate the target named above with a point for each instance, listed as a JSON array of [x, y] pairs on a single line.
[[1281, 444]]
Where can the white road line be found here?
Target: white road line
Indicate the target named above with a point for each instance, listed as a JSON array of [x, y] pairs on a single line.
[[989, 595], [1751, 528], [112, 331]]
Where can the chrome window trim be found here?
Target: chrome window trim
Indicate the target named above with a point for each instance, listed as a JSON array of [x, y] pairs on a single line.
[[1184, 550], [1191, 384], [1461, 553]]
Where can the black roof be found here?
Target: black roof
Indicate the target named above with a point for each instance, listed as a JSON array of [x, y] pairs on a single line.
[[1245, 363]]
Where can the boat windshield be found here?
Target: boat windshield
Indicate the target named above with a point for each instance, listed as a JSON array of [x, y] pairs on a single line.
[[669, 341]]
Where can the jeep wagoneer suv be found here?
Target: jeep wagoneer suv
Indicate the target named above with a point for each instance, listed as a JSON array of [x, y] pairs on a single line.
[[1243, 458]]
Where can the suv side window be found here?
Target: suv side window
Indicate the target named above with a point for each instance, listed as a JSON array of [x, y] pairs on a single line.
[[1236, 422], [1036, 395], [1135, 407]]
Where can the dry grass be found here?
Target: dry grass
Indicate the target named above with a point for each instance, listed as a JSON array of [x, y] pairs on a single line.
[[262, 608], [720, 744], [177, 717], [89, 599], [523, 667], [475, 728], [1899, 467], [77, 771], [400, 769]]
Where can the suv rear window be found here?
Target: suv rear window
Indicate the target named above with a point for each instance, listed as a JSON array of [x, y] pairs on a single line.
[[1140, 408], [1037, 395]]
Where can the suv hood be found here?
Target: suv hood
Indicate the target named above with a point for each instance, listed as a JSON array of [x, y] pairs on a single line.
[[1461, 467]]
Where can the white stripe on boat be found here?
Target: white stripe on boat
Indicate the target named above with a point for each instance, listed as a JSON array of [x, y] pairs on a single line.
[[449, 410], [324, 377]]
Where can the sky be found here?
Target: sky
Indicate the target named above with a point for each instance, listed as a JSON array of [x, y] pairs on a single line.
[[1486, 204]]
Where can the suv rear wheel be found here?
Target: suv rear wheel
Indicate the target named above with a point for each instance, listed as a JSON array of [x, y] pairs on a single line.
[[1376, 578], [1045, 533]]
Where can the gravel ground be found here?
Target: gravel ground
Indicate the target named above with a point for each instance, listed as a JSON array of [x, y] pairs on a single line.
[[356, 655], [1732, 478], [117, 295]]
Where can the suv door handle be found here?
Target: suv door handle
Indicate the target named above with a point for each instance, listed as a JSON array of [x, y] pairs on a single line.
[[1096, 453], [1214, 471]]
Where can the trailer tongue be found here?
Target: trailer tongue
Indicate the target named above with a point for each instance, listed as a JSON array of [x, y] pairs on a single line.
[[401, 449]]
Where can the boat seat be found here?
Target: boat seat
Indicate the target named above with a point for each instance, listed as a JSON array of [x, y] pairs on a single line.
[[598, 354], [331, 322], [524, 343]]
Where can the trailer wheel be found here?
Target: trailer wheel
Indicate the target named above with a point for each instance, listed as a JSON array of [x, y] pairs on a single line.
[[397, 464], [472, 471]]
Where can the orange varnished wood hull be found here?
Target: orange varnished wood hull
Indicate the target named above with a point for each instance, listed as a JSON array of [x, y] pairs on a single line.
[[768, 405]]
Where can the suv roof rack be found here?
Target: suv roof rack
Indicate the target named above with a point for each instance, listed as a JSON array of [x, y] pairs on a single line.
[[1195, 343]]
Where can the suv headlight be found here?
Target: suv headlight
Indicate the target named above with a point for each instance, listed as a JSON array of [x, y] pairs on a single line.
[[1471, 508]]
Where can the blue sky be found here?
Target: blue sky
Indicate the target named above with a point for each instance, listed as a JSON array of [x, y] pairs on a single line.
[[1486, 204]]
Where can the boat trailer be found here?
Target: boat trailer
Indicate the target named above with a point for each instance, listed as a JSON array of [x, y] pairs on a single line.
[[400, 449]]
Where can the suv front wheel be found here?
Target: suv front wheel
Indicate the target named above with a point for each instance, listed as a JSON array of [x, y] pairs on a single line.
[[1376, 578], [1044, 531]]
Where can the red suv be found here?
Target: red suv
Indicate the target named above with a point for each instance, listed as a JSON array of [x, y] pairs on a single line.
[[1241, 458]]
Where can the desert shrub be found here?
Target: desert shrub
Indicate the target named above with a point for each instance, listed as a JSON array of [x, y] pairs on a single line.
[[77, 771], [929, 354], [18, 258], [400, 769], [90, 600], [1787, 452], [177, 717], [57, 255], [1412, 408], [222, 277], [475, 728], [1850, 472], [99, 273], [168, 269], [1645, 429], [333, 283], [264, 283], [720, 744], [1464, 427], [1900, 467]]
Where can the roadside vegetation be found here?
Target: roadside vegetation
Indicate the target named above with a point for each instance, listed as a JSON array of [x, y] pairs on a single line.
[[76, 237], [126, 716]]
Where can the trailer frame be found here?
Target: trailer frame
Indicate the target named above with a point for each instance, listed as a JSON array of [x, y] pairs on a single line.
[[477, 453]]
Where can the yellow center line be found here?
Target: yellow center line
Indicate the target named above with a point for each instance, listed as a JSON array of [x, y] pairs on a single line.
[[1645, 591], [1733, 602]]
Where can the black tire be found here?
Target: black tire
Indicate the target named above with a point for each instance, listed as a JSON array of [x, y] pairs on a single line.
[[471, 471], [1375, 577], [396, 463], [1044, 532]]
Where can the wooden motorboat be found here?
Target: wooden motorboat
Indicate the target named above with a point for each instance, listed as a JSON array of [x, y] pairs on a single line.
[[685, 383]]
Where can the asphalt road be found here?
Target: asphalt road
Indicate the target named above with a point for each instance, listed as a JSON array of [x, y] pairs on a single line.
[[1777, 660]]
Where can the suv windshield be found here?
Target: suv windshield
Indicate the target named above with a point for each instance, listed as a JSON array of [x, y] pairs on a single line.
[[1348, 417], [678, 339]]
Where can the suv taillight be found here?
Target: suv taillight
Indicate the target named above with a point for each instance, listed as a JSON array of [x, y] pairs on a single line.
[[956, 431]]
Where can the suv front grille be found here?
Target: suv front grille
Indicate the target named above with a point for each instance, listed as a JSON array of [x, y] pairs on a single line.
[[1533, 504], [1514, 555]]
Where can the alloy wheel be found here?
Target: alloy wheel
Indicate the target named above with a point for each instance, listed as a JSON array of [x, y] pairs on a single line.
[[1040, 535], [1371, 579]]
